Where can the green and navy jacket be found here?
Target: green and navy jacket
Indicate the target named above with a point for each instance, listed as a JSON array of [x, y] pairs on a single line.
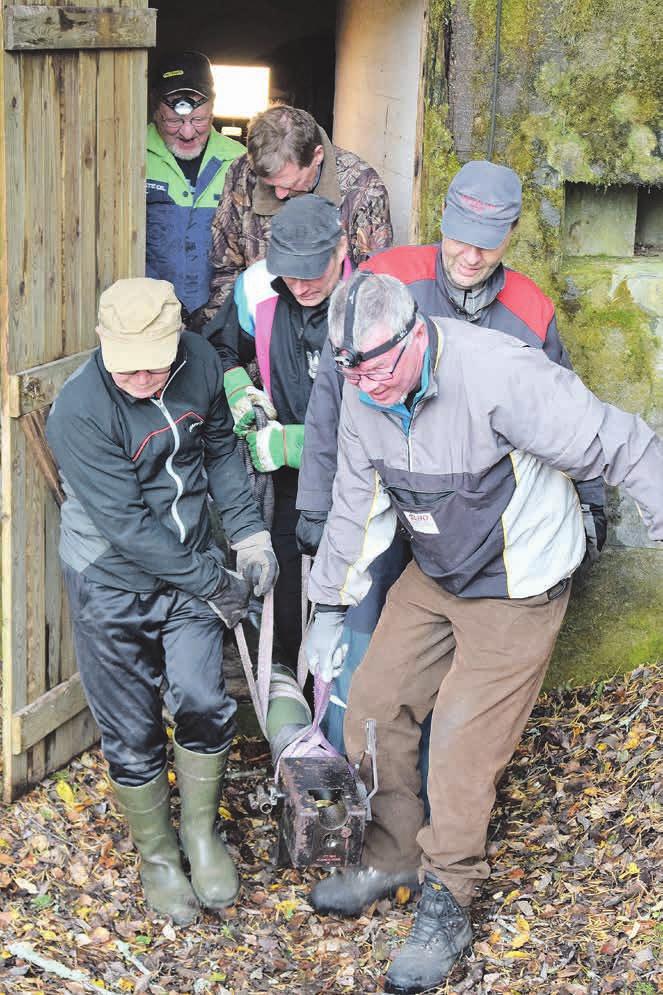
[[179, 218]]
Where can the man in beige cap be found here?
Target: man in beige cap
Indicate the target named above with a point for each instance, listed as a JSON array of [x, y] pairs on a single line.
[[142, 433]]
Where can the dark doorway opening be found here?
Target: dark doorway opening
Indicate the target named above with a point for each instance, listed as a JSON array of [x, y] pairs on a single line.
[[295, 39]]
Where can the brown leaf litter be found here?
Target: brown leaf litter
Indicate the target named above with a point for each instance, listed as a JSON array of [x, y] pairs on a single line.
[[574, 905]]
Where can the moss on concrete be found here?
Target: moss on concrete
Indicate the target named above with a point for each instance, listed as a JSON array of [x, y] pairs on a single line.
[[441, 163], [580, 100], [615, 619], [609, 337]]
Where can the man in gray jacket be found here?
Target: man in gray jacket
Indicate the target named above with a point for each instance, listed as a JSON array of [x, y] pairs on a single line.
[[468, 439], [464, 277], [142, 433]]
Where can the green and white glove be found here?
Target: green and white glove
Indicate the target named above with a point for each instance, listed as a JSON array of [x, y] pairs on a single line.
[[276, 445], [242, 394]]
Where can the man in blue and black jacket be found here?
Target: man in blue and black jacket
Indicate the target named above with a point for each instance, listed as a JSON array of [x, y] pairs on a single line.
[[142, 434]]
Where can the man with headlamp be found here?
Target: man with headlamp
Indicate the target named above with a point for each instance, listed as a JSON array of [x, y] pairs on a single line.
[[463, 276], [187, 161], [446, 428]]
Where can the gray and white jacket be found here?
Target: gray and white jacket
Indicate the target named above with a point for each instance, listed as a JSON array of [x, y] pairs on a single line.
[[478, 471], [137, 473]]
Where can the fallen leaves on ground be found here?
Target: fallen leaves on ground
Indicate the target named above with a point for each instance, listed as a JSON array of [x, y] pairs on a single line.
[[574, 905]]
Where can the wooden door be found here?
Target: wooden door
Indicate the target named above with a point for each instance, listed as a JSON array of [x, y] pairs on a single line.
[[73, 106]]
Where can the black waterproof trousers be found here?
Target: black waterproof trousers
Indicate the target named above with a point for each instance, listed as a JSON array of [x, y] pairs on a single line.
[[288, 590], [126, 644]]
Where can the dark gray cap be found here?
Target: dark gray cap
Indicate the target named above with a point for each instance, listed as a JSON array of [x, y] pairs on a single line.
[[305, 232], [483, 201]]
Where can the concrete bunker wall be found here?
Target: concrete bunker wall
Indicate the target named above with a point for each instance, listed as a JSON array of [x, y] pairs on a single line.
[[575, 105]]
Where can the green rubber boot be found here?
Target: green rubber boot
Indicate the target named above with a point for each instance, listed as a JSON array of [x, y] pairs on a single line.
[[200, 780], [166, 886]]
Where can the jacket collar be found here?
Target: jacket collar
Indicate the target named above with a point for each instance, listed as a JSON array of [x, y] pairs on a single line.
[[487, 294], [267, 203], [213, 150]]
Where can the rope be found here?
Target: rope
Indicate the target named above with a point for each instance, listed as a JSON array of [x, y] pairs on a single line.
[[496, 77]]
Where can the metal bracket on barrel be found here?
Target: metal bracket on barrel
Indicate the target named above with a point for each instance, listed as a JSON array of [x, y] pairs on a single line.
[[264, 801]]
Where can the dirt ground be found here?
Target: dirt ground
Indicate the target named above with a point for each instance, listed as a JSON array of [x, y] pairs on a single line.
[[574, 904]]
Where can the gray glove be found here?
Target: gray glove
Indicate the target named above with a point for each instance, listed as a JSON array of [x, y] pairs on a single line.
[[596, 529], [230, 601], [256, 561], [324, 648]]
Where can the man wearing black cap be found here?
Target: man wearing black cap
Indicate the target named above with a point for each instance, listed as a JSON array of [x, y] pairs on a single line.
[[187, 160], [278, 317], [288, 155]]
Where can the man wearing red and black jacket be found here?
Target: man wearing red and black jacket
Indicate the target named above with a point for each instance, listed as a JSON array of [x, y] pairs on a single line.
[[460, 277]]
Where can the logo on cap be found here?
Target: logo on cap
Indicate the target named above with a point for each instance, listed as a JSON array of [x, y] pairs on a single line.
[[476, 205]]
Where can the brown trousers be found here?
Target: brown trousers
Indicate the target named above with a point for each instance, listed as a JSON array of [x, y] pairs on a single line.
[[478, 663]]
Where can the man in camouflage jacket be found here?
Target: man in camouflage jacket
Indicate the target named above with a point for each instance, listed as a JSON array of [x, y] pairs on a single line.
[[290, 154]]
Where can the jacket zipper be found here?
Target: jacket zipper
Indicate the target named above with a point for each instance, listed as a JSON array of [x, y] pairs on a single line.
[[179, 486]]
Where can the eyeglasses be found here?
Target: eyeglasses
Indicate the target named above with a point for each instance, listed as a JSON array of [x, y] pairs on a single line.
[[376, 376], [152, 373], [199, 123]]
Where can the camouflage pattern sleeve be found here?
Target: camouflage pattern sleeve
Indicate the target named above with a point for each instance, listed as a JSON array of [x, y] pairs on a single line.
[[369, 221], [227, 237]]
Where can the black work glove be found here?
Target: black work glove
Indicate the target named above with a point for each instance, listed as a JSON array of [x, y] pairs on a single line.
[[230, 601], [309, 531], [596, 530]]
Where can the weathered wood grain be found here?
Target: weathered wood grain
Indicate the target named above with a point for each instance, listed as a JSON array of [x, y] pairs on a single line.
[[42, 27], [33, 389]]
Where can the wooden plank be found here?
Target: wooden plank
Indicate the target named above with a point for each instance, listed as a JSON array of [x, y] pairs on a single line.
[[35, 721], [130, 131], [14, 586], [87, 291], [76, 735], [38, 27], [108, 171], [33, 527], [30, 390], [415, 212]]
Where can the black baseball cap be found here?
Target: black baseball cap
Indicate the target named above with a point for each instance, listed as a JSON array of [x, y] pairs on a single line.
[[305, 232], [183, 71]]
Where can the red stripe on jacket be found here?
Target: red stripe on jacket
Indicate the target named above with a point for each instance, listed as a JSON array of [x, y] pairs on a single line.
[[166, 428], [408, 263], [527, 301]]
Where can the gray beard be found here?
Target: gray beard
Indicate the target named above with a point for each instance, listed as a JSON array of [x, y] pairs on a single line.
[[179, 154]]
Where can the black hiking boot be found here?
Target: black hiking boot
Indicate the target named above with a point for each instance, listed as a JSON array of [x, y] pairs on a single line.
[[440, 934], [352, 891]]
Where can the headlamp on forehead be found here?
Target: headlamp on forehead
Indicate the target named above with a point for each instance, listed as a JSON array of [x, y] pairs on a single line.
[[184, 105], [346, 356]]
